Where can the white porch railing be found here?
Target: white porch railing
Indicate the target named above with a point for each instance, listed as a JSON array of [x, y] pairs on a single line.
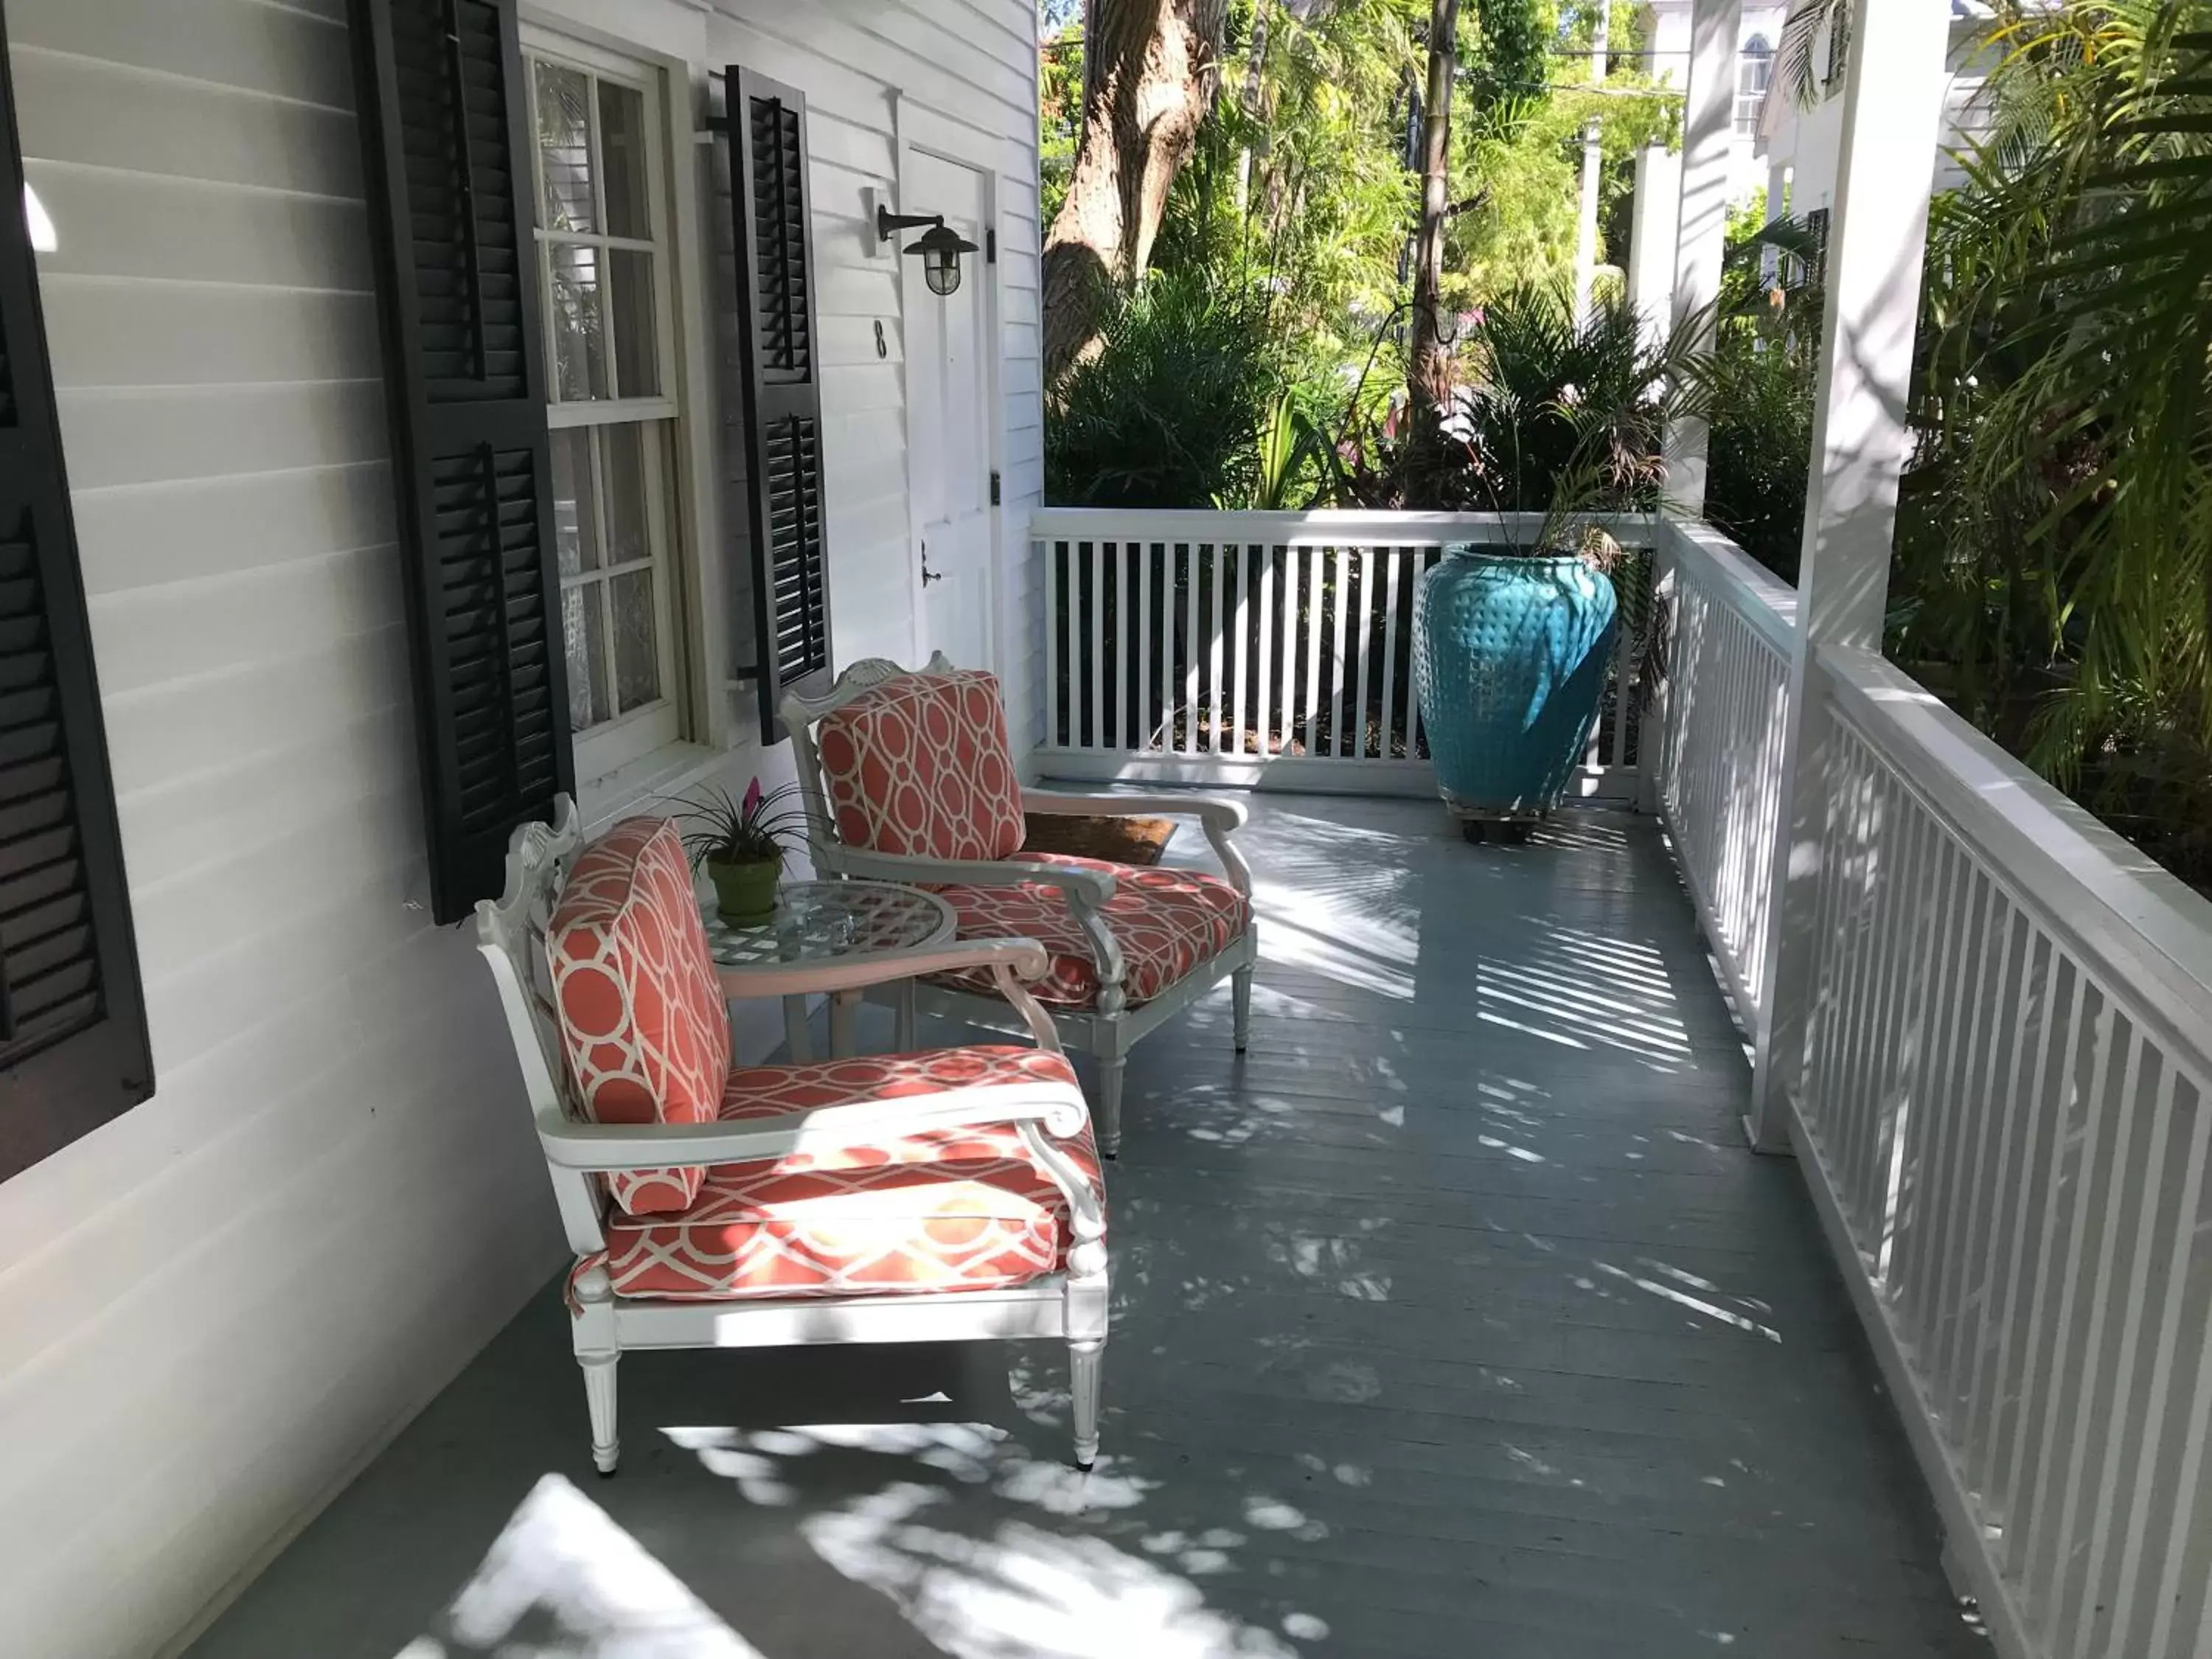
[[2004, 1109], [1723, 717], [2005, 1114], [1272, 649]]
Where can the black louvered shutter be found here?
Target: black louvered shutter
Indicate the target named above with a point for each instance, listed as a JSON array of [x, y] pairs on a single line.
[[450, 205], [73, 1046], [766, 125]]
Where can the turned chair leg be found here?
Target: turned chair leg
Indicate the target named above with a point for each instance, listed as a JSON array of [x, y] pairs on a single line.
[[600, 1391], [1084, 1359], [1241, 989], [1106, 1121]]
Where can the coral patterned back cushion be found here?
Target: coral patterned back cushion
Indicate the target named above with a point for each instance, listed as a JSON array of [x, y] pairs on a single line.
[[920, 765], [643, 1019]]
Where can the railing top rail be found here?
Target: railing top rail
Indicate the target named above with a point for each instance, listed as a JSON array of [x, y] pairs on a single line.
[[1753, 593], [1322, 527], [2134, 924]]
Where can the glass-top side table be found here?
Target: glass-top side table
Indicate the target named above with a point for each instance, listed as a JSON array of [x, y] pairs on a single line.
[[823, 922]]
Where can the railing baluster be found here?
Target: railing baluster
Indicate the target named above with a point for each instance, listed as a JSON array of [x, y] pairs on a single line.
[[1155, 653], [1338, 606], [1240, 713], [1055, 732], [1190, 650], [1125, 631], [1213, 684], [1286, 707], [1390, 572], [1365, 640], [1313, 627], [1265, 720], [1095, 583]]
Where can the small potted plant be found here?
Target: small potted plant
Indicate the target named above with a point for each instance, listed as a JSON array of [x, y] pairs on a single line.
[[740, 844]]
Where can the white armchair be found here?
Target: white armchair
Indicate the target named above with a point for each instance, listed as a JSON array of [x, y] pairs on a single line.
[[907, 776], [709, 1207]]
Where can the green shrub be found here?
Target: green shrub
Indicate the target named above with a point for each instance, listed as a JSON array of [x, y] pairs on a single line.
[[1759, 445], [1168, 411]]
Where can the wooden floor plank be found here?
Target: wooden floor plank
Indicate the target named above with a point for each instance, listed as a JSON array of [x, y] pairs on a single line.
[[1453, 1320]]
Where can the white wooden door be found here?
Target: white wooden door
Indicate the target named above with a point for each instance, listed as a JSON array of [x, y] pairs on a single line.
[[949, 419]]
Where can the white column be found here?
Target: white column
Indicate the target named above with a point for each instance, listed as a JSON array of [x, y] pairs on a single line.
[[1893, 110], [1701, 225], [1658, 199], [1593, 161]]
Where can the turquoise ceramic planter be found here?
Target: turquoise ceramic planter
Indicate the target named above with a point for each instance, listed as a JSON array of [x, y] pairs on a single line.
[[1509, 659]]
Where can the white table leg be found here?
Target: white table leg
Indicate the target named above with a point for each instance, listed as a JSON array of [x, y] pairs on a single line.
[[904, 1014], [794, 1029], [841, 1004]]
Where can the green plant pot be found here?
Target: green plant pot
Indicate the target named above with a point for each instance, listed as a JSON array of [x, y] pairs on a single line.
[[746, 893]]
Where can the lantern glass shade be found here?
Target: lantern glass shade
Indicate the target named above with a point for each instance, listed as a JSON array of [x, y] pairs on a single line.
[[940, 248]]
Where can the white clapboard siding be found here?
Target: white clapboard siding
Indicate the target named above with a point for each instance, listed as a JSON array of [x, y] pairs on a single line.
[[214, 1308], [241, 1275]]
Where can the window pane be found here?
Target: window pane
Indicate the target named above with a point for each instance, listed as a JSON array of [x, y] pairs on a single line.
[[583, 623], [622, 161], [630, 532], [579, 347], [564, 145], [637, 653], [637, 350], [575, 502]]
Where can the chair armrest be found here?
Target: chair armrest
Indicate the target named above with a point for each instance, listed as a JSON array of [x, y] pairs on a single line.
[[1219, 818], [1092, 887], [1058, 1108], [1207, 809], [1086, 891]]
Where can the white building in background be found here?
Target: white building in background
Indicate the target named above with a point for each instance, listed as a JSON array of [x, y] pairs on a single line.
[[1651, 261], [1789, 148], [1667, 54], [1797, 143]]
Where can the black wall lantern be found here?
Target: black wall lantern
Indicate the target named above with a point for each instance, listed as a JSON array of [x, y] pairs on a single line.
[[940, 247]]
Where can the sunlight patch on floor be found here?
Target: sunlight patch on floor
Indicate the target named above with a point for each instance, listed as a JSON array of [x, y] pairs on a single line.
[[1696, 1305], [982, 1588], [563, 1581]]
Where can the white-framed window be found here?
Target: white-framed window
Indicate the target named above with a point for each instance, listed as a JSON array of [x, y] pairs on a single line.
[[1754, 69], [604, 268]]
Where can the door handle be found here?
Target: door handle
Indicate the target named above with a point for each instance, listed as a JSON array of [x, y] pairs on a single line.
[[927, 575]]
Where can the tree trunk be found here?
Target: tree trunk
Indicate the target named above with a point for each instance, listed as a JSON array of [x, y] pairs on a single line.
[[1428, 368], [1255, 60], [1150, 71]]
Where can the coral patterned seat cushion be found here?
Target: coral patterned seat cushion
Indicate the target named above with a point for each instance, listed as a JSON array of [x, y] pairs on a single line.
[[920, 766], [643, 1023], [1166, 922], [941, 1210]]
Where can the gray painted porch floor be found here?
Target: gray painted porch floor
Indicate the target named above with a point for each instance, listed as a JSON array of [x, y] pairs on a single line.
[[1454, 1321]]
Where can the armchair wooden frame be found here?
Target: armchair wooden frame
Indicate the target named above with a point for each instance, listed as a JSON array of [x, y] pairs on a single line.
[[1071, 1304], [1110, 1027]]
